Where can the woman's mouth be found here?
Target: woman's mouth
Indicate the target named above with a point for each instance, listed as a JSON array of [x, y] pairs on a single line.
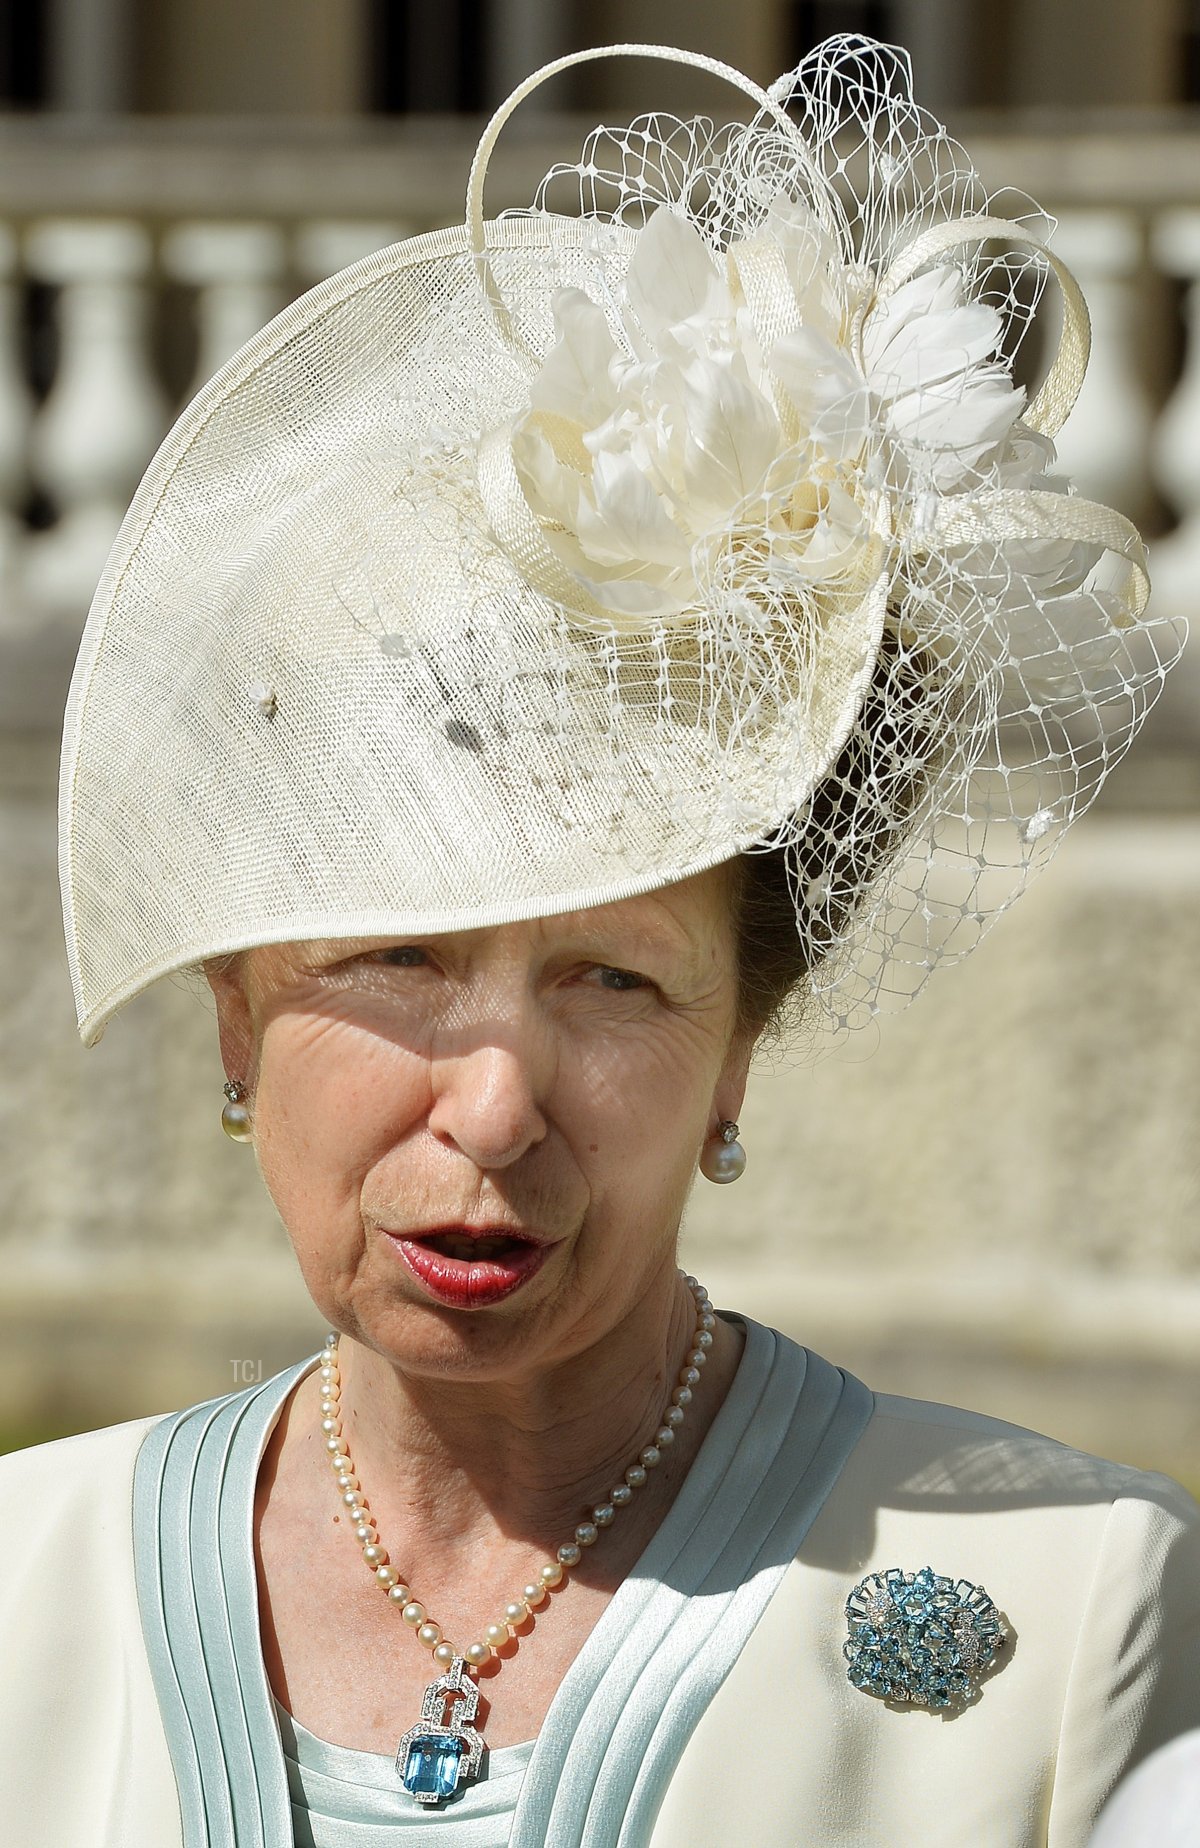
[[468, 1269]]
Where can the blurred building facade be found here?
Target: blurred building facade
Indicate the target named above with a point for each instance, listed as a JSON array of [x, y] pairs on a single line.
[[1002, 1204]]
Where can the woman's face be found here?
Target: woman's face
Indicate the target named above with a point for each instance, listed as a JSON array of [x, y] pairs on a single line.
[[481, 1143]]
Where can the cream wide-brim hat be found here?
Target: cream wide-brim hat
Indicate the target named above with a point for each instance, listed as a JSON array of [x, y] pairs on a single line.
[[340, 678]]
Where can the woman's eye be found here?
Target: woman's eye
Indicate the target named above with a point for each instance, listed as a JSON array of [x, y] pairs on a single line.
[[621, 980], [400, 956]]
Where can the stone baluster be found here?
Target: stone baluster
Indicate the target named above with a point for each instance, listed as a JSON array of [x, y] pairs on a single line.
[[1175, 560], [517, 37], [1104, 443], [1176, 246], [16, 411], [105, 411], [236, 270], [324, 246]]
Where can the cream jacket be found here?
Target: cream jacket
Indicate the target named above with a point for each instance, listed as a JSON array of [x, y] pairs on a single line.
[[1095, 1567]]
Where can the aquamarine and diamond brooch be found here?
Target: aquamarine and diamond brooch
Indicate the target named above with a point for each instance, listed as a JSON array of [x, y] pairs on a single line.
[[921, 1639]]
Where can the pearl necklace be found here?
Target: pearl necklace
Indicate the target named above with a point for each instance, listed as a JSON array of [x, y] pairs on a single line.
[[437, 1754]]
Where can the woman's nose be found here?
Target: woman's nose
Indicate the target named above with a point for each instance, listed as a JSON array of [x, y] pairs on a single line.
[[486, 1103]]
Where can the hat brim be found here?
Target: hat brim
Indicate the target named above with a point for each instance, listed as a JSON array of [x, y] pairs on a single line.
[[316, 698]]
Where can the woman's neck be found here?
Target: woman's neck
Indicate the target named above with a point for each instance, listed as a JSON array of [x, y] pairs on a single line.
[[457, 1465]]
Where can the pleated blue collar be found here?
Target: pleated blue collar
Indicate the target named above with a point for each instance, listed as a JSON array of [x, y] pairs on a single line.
[[631, 1699]]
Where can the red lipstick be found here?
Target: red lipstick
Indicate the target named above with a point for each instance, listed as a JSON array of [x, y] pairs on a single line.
[[469, 1267]]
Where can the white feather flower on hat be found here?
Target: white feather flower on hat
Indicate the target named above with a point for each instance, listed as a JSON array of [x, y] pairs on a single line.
[[638, 457], [761, 392]]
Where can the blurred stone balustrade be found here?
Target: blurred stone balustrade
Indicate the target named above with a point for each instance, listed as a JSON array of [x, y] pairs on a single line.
[[147, 252], [1001, 1205], [135, 258]]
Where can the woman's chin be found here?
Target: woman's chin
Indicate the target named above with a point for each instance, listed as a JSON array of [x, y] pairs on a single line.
[[426, 1317]]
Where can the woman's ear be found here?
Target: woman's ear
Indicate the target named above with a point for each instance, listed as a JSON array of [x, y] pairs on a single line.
[[226, 976]]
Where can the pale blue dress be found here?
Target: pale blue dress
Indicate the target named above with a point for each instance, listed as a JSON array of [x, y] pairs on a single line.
[[618, 1725]]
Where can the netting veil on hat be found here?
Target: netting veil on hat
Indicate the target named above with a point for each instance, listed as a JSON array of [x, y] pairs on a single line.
[[532, 564]]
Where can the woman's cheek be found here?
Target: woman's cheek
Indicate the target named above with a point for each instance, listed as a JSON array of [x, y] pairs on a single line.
[[297, 1147]]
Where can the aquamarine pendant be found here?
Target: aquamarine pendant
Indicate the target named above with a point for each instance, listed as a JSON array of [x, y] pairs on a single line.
[[444, 1749], [433, 1766]]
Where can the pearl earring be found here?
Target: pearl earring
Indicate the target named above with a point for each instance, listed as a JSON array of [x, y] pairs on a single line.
[[724, 1158], [235, 1118]]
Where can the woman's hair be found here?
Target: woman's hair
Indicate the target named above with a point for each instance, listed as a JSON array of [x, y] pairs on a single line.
[[858, 820]]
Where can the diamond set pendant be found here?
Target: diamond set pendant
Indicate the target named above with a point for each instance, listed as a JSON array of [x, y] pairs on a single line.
[[443, 1750], [919, 1638]]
